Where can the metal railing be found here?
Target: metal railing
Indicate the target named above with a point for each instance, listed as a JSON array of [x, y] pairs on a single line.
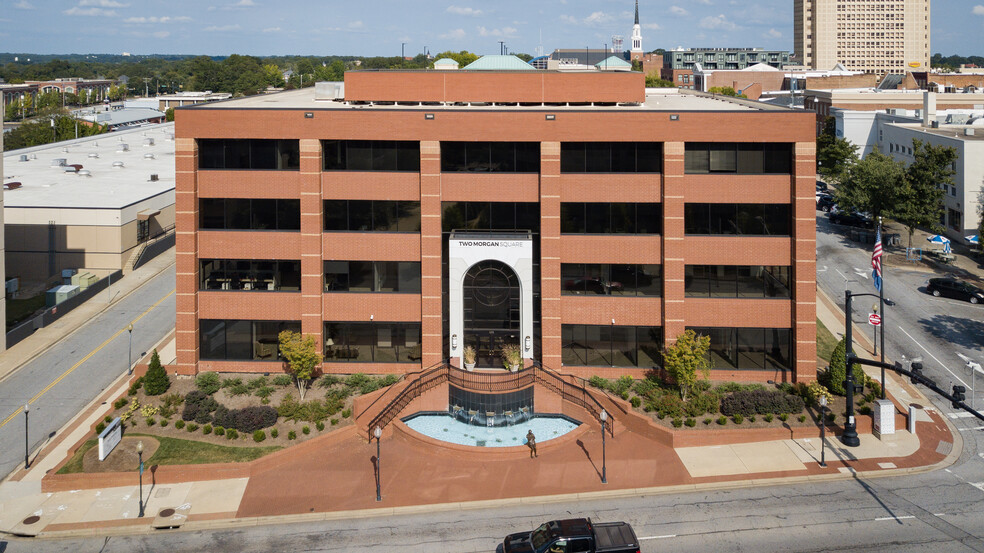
[[424, 380], [491, 381], [573, 392]]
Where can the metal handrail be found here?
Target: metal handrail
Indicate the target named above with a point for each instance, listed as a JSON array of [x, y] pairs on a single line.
[[411, 392], [402, 377], [491, 382], [562, 389]]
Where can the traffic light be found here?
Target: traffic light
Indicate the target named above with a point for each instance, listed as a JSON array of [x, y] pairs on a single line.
[[959, 394], [916, 376]]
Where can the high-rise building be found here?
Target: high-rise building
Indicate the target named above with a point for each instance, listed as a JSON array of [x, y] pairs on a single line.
[[883, 36]]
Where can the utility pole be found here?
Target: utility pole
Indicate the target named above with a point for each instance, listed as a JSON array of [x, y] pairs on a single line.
[[403, 53], [501, 47]]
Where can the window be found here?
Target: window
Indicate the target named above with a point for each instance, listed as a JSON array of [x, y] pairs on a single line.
[[611, 280], [371, 155], [611, 218], [611, 157], [245, 274], [371, 215], [490, 216], [611, 346], [237, 340], [742, 281], [955, 219], [749, 348], [738, 158], [245, 214], [220, 153], [494, 157], [737, 219], [372, 276], [372, 342]]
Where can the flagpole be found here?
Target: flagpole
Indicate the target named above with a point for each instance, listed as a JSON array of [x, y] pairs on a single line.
[[881, 309]]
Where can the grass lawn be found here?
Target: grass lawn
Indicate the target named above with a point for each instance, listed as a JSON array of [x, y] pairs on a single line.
[[174, 451], [20, 309], [826, 342]]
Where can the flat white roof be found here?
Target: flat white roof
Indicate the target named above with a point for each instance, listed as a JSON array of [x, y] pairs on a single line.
[[107, 187]]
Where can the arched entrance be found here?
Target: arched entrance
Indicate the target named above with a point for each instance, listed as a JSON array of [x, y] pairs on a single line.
[[491, 310]]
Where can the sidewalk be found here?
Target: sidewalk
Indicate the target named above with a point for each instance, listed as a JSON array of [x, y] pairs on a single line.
[[332, 476]]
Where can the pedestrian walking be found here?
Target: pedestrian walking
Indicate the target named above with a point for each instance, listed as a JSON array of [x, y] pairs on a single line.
[[531, 443]]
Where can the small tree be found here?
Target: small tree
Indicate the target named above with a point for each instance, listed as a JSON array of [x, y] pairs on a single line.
[[834, 155], [919, 202], [685, 358], [653, 80], [156, 381], [301, 354], [833, 377], [872, 184]]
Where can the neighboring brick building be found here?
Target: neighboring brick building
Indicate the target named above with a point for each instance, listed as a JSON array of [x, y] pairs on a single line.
[[944, 82], [565, 213], [821, 101]]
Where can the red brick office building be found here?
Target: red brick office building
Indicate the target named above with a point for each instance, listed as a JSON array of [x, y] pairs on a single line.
[[568, 214]]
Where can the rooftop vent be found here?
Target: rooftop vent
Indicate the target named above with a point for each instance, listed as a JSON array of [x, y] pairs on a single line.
[[65, 150], [71, 168], [117, 164], [148, 142], [85, 173], [23, 157], [124, 148], [94, 155], [58, 162], [34, 156], [12, 185], [154, 177], [148, 156], [968, 132]]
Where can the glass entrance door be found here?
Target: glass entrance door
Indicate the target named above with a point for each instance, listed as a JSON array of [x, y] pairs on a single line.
[[491, 311]]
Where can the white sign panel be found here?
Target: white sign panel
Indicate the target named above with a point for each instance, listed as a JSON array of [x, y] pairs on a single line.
[[110, 438]]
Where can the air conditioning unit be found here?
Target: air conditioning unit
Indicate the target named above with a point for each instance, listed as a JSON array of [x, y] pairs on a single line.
[[154, 177]]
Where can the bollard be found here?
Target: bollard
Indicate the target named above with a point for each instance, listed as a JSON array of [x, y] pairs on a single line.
[[913, 409]]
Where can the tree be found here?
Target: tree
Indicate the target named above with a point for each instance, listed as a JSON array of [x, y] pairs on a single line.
[[833, 377], [302, 356], [654, 81], [156, 382], [272, 75], [685, 358], [834, 155], [463, 57], [169, 115], [919, 202], [871, 185], [725, 91]]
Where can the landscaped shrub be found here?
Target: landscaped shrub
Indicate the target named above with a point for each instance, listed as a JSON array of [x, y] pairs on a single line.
[[306, 429], [247, 419], [334, 422], [738, 418], [645, 387], [118, 404], [149, 410], [701, 403], [622, 386], [238, 390], [230, 382], [750, 402], [219, 431], [308, 411], [191, 427], [366, 384], [169, 404], [784, 417], [677, 423], [802, 418], [164, 422], [257, 383], [231, 434], [259, 436], [107, 419], [208, 382], [833, 377], [751, 418], [156, 381], [326, 381], [722, 420], [199, 407], [667, 405], [292, 435], [274, 433], [100, 427], [864, 410], [768, 417], [636, 401], [346, 413], [135, 387], [179, 424], [831, 418], [690, 423], [207, 429], [875, 388], [151, 421], [264, 392], [320, 425], [707, 421], [282, 380]]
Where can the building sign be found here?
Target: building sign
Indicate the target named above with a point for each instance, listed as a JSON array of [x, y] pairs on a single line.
[[914, 64], [110, 438], [492, 243]]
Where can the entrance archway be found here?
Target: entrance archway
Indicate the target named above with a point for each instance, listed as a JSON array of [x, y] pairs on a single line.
[[491, 310]]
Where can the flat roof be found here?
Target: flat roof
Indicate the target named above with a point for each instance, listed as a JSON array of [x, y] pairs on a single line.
[[46, 185], [657, 99], [955, 132]]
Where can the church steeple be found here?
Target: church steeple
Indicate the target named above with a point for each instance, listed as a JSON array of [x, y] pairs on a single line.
[[636, 49], [637, 12]]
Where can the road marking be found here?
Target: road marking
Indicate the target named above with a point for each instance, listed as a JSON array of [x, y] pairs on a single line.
[[960, 415], [840, 273], [974, 428], [658, 537], [38, 395], [879, 519], [978, 485], [933, 356]]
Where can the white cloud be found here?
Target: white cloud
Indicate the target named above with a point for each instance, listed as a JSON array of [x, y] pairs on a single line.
[[456, 34], [978, 10], [23, 5], [460, 10], [653, 26], [505, 32], [161, 34], [772, 33], [568, 19], [152, 19], [717, 22], [272, 30], [221, 28], [595, 19], [705, 2], [678, 11], [90, 12], [245, 4], [103, 4], [356, 25]]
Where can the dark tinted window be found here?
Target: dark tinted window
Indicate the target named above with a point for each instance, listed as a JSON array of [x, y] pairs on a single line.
[[372, 342], [610, 218], [495, 157], [242, 340], [611, 280], [745, 219], [611, 157], [235, 274], [221, 153], [372, 276], [243, 214], [611, 346], [488, 216], [371, 155], [740, 281], [371, 215], [749, 348], [740, 158]]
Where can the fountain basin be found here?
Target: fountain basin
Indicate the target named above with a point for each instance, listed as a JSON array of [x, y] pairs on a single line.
[[442, 426]]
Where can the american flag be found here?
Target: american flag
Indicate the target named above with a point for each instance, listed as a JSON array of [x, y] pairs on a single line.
[[876, 269]]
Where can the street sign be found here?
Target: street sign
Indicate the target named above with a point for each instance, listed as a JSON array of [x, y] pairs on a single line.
[[874, 319]]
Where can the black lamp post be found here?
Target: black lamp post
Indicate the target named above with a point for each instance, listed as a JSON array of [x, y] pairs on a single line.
[[604, 467], [27, 447], [129, 349], [140, 498], [850, 435], [378, 433], [823, 429]]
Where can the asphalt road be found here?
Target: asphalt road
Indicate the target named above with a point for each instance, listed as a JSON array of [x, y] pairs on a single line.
[[64, 379]]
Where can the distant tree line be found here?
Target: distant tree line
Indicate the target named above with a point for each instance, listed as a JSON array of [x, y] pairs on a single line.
[[953, 62]]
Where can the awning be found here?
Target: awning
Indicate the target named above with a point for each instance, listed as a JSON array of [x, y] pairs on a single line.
[[147, 214]]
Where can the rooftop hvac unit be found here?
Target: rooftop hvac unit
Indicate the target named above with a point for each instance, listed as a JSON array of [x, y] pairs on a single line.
[[148, 142], [117, 164], [968, 132], [154, 177], [58, 162], [94, 155], [124, 148], [148, 156], [936, 124], [85, 173], [23, 157]]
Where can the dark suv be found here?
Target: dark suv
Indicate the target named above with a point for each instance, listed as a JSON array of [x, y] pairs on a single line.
[[850, 219], [953, 288], [825, 202]]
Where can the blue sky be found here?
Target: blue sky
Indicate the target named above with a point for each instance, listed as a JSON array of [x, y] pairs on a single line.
[[374, 27]]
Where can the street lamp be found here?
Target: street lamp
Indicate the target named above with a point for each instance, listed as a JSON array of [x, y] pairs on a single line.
[[129, 350], [850, 435], [823, 429], [140, 456], [604, 467], [874, 309], [611, 343], [27, 448], [378, 433]]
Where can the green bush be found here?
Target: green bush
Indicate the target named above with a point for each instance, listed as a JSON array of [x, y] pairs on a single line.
[[802, 418], [328, 380], [179, 424], [151, 421], [231, 434], [876, 390], [334, 422], [864, 410], [691, 423], [752, 402], [346, 413], [320, 425], [707, 421], [156, 381], [120, 403], [751, 418], [702, 403], [636, 401], [292, 435], [831, 418], [306, 429], [259, 436], [677, 423], [784, 417], [738, 418], [238, 390], [622, 386], [219, 431], [258, 382], [264, 392], [164, 422], [282, 380], [230, 382], [722, 420], [598, 382], [107, 419], [768, 417], [667, 405], [646, 387], [274, 433], [208, 382], [207, 429], [100, 427], [833, 377], [135, 387], [192, 427]]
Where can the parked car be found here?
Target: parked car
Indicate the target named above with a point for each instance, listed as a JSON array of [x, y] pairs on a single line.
[[850, 218], [821, 186], [576, 534], [825, 202], [953, 288]]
